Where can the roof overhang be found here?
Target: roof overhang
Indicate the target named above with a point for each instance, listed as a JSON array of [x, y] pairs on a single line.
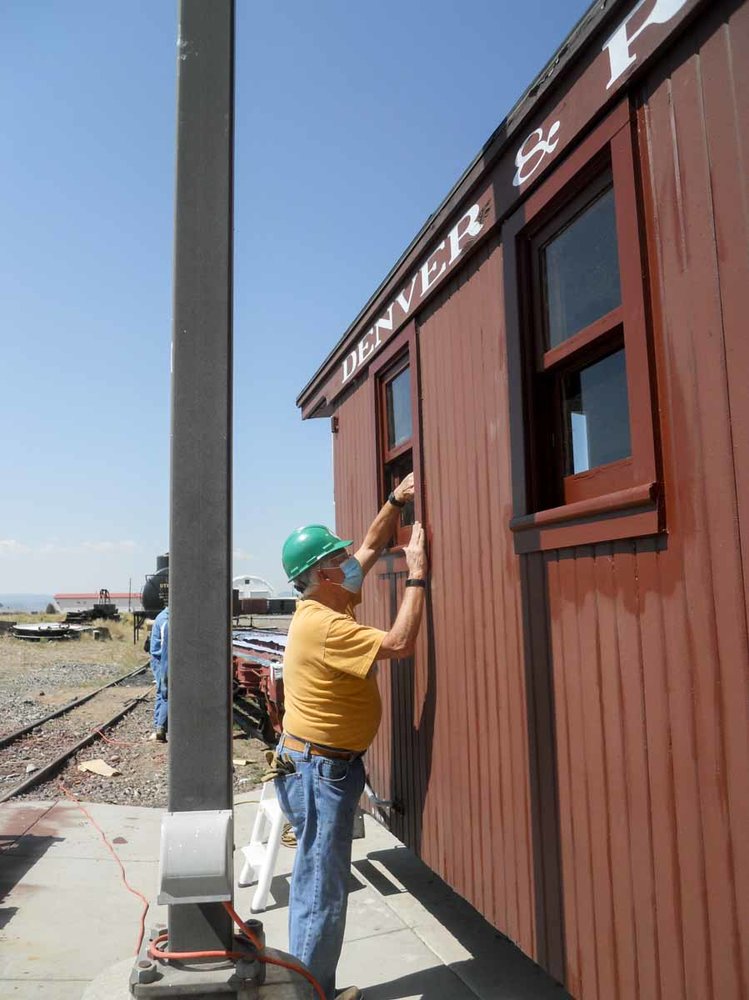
[[493, 184]]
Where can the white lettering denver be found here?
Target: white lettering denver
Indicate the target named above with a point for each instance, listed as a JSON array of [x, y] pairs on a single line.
[[620, 58], [385, 323], [455, 236], [365, 347], [403, 302], [467, 227], [349, 366], [541, 146], [428, 277]]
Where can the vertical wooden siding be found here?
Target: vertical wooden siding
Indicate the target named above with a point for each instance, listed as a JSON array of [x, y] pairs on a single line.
[[478, 816], [453, 746], [649, 639], [356, 503]]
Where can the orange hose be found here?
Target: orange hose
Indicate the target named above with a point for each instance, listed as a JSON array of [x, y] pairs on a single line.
[[115, 743], [296, 968], [268, 958], [155, 952], [257, 943], [158, 953], [72, 797]]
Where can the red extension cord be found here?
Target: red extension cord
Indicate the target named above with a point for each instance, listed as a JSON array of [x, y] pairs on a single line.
[[159, 954]]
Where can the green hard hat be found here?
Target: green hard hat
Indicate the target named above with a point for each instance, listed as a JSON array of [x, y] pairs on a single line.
[[306, 546]]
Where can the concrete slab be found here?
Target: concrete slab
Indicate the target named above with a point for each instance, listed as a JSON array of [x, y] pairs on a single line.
[[71, 917], [484, 959], [18, 817], [133, 830], [28, 990], [398, 966], [68, 922], [369, 915]]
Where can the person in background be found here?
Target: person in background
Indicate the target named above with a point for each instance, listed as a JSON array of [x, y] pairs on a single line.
[[159, 649], [332, 712]]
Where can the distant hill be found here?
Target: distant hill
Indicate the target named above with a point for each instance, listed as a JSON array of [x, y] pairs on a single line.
[[25, 602]]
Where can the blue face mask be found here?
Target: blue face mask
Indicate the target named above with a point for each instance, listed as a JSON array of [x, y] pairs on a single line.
[[353, 575]]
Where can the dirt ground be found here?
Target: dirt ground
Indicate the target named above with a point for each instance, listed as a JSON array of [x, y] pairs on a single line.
[[36, 677], [143, 766], [120, 650]]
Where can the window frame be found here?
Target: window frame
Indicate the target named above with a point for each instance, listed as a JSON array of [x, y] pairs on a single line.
[[394, 358], [388, 454], [620, 499]]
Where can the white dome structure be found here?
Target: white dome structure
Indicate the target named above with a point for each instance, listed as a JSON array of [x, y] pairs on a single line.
[[252, 586]]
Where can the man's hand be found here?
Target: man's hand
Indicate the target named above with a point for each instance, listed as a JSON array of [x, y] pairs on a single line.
[[404, 491], [415, 552], [381, 529]]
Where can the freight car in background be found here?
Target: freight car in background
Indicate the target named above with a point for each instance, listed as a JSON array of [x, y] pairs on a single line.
[[253, 595], [256, 652], [562, 355], [264, 606], [257, 665]]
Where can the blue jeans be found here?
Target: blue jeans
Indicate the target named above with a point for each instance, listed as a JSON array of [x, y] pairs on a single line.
[[319, 799], [161, 705]]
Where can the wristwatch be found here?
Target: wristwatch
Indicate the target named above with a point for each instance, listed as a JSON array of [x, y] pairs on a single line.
[[395, 501], [416, 583]]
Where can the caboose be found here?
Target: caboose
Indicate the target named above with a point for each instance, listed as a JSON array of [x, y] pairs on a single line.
[[561, 354]]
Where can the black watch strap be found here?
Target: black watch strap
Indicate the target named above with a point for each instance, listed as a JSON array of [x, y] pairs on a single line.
[[416, 583], [395, 502]]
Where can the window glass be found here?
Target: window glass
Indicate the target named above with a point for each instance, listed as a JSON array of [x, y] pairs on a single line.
[[596, 414], [581, 271], [398, 396]]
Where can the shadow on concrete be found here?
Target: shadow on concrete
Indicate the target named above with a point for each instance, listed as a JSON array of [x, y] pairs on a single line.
[[438, 983], [18, 854], [279, 890], [497, 969]]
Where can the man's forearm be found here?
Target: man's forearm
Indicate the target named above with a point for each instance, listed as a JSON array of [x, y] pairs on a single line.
[[381, 529], [400, 640]]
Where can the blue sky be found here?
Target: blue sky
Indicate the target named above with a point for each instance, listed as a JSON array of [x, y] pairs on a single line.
[[353, 121]]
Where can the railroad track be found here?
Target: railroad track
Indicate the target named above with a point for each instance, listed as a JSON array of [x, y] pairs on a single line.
[[59, 743]]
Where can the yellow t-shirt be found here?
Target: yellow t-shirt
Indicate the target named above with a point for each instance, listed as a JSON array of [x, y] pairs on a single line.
[[330, 692]]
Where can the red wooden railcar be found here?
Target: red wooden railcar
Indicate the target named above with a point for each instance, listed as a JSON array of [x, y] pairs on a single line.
[[257, 665], [562, 356]]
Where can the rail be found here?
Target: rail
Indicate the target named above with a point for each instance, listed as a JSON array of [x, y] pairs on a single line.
[[45, 771], [75, 703]]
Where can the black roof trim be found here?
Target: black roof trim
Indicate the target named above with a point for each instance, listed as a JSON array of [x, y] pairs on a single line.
[[557, 67]]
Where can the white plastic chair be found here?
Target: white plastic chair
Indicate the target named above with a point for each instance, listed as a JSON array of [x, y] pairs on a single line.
[[261, 852]]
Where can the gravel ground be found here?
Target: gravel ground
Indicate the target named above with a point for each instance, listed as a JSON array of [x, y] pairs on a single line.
[[36, 678], [40, 691], [143, 766]]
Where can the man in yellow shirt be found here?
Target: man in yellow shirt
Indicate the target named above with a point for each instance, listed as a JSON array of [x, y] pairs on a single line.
[[332, 713]]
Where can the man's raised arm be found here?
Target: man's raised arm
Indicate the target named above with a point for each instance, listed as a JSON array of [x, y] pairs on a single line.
[[382, 528]]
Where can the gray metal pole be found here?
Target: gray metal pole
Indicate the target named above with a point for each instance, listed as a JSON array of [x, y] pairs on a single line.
[[200, 774]]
